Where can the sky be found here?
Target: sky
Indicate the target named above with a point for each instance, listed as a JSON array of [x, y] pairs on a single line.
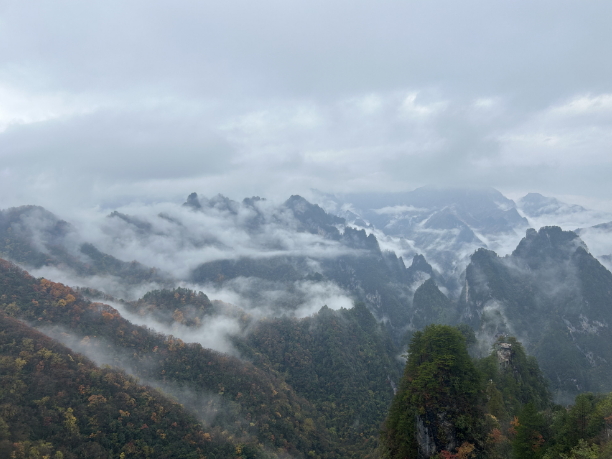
[[108, 103]]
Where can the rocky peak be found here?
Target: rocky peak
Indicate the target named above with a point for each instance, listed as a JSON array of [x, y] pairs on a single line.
[[550, 243], [504, 354], [193, 201]]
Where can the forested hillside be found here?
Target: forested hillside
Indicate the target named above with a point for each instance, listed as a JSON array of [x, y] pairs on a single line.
[[292, 376], [498, 407], [58, 404], [233, 394], [343, 362], [248, 400]]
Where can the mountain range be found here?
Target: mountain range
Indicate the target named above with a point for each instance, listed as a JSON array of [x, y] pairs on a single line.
[[311, 303]]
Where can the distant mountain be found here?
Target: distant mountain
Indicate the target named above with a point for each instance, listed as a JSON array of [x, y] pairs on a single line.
[[604, 227], [547, 211], [313, 218], [291, 257], [444, 224], [484, 210], [553, 295], [536, 205], [34, 237], [294, 248], [599, 238]]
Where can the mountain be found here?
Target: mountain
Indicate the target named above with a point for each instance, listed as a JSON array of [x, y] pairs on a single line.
[[496, 407], [438, 406], [249, 402], [343, 361], [452, 406], [34, 237], [302, 355], [264, 398], [599, 238], [431, 306], [313, 218], [282, 251], [554, 296], [55, 403], [444, 224], [536, 205], [594, 227]]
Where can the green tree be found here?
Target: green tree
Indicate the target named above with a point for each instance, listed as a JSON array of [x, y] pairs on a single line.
[[528, 441], [583, 451], [441, 391]]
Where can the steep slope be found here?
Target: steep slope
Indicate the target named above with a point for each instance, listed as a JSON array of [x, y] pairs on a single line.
[[431, 306], [222, 390], [439, 403], [313, 218], [450, 406], [556, 298], [342, 361], [34, 237], [56, 403]]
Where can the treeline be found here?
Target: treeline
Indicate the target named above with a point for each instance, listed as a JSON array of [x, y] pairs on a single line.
[[451, 406]]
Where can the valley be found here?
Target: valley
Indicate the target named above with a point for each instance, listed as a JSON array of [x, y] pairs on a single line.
[[282, 329]]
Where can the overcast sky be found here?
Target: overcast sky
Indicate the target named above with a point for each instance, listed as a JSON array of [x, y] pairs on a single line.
[[103, 103]]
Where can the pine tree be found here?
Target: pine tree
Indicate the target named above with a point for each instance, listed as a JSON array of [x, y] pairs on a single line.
[[528, 442]]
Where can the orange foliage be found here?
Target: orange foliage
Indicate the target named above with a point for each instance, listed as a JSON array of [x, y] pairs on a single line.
[[496, 436], [513, 424], [58, 290], [107, 316], [538, 441], [465, 451]]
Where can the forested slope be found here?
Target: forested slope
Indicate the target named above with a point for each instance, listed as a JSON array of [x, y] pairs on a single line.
[[328, 405], [499, 407], [342, 361], [233, 394], [55, 403]]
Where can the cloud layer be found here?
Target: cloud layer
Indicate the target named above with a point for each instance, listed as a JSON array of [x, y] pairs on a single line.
[[102, 103]]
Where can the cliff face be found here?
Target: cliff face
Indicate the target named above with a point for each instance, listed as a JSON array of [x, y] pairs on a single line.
[[435, 432], [504, 355]]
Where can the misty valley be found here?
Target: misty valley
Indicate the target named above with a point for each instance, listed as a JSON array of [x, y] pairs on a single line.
[[436, 323]]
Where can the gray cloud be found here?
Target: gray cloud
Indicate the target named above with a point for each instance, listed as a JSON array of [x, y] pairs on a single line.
[[147, 101]]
